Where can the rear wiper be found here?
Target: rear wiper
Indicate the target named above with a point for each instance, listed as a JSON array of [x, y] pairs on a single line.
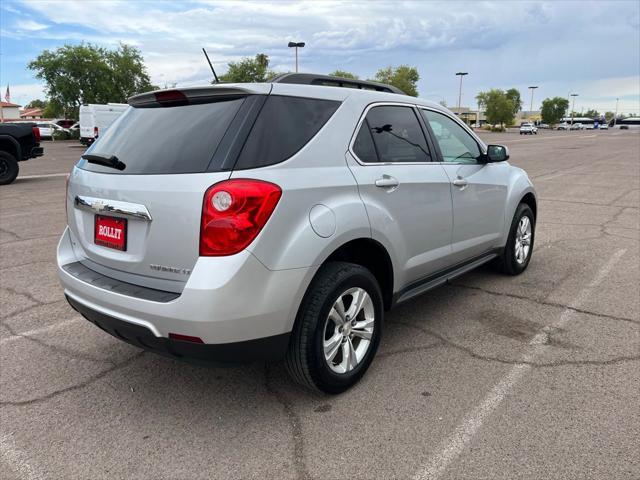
[[111, 161]]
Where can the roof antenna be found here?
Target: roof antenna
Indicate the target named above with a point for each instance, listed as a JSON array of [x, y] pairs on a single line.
[[211, 66]]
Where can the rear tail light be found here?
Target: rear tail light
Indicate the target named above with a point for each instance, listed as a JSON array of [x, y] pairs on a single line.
[[36, 133], [233, 213], [95, 132]]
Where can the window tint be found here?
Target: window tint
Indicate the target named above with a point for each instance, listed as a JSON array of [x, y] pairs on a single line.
[[165, 140], [284, 126], [455, 143], [363, 145], [397, 134]]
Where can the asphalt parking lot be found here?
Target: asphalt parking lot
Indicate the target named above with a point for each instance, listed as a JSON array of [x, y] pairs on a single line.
[[492, 377]]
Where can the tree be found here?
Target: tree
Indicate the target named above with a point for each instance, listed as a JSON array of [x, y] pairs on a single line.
[[249, 70], [609, 116], [591, 113], [513, 94], [80, 74], [553, 109], [37, 103], [403, 77], [498, 107], [344, 74]]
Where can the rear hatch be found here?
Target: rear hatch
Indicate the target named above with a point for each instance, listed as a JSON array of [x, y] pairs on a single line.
[[139, 221]]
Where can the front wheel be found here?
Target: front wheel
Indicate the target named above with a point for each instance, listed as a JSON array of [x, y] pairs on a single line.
[[517, 253], [8, 168], [337, 329]]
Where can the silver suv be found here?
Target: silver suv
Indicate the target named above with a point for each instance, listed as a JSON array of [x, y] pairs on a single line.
[[244, 222]]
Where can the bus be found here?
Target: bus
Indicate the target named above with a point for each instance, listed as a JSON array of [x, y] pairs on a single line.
[[628, 123], [586, 122]]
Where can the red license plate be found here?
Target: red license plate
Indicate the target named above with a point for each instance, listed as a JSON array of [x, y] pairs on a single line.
[[111, 232]]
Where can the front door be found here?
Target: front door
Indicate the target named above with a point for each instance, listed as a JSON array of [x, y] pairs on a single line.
[[479, 190]]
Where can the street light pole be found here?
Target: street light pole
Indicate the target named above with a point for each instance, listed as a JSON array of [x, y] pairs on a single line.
[[296, 45], [615, 117], [531, 108], [460, 74], [573, 107]]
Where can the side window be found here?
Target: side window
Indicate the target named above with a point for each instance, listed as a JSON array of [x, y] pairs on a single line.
[[284, 126], [455, 143], [396, 133], [363, 146]]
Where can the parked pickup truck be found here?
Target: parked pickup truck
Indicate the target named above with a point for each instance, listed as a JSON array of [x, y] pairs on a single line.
[[18, 142]]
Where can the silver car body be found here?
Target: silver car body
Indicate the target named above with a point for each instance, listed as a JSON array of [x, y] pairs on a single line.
[[426, 223]]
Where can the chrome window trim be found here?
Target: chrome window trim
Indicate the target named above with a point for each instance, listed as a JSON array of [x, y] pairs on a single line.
[[112, 207], [359, 124]]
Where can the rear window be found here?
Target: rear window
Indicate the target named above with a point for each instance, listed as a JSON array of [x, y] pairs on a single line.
[[165, 140], [284, 126]]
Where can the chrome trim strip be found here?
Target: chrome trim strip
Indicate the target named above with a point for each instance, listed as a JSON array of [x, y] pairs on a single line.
[[112, 207]]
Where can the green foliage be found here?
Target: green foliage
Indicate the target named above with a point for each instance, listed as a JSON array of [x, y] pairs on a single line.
[[403, 77], [553, 109], [608, 116], [80, 74], [248, 70], [37, 103], [591, 113], [60, 135], [74, 134], [498, 129], [513, 94], [498, 107], [344, 74], [53, 109]]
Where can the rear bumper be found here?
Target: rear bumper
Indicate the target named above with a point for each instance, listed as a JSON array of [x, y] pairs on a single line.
[[263, 349], [37, 152], [226, 300]]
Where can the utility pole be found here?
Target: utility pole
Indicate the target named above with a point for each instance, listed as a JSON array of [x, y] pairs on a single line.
[[615, 117], [531, 108], [296, 45], [460, 74], [573, 107]]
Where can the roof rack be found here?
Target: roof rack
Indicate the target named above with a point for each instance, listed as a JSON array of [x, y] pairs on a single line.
[[329, 81]]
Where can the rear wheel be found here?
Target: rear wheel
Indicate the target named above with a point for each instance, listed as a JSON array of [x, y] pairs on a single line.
[[517, 252], [8, 168], [337, 330]]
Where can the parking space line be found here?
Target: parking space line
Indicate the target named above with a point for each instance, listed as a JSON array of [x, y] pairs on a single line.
[[464, 433], [38, 331], [46, 175]]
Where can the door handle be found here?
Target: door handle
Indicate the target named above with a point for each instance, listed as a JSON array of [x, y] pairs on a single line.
[[460, 182], [387, 181]]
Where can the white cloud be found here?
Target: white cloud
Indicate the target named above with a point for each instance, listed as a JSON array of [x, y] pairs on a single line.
[[31, 26], [24, 93]]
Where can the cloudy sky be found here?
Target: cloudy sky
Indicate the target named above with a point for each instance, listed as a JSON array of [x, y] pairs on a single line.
[[592, 49]]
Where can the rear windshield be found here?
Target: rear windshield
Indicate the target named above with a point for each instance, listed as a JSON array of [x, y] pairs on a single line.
[[165, 140]]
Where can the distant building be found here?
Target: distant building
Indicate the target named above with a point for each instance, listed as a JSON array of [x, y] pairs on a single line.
[[468, 116], [9, 111], [31, 114]]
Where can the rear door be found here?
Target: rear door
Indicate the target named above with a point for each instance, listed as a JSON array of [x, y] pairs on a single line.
[[171, 152], [406, 193], [479, 190]]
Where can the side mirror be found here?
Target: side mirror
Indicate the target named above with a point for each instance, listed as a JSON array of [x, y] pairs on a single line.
[[497, 153]]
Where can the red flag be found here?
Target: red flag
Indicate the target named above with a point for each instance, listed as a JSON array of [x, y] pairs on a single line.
[[7, 95]]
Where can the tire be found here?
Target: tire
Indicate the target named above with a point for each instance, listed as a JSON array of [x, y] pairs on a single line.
[[508, 263], [8, 168], [305, 360]]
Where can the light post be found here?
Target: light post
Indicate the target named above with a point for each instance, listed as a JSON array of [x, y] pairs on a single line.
[[531, 108], [296, 45], [460, 74], [615, 117], [573, 107]]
